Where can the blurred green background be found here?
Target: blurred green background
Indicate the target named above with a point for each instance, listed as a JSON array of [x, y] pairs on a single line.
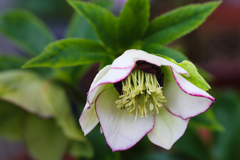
[[214, 47]]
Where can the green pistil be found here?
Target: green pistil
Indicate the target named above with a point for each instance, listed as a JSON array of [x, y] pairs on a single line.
[[141, 94]]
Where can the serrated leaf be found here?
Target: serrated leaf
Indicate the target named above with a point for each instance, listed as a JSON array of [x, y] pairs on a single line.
[[165, 51], [11, 120], [179, 22], [206, 120], [11, 62], [25, 30], [104, 23], [133, 22], [79, 27], [68, 52], [44, 139]]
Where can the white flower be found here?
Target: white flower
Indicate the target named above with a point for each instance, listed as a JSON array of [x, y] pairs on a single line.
[[145, 103]]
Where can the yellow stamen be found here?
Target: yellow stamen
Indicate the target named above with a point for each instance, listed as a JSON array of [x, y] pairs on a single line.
[[141, 92]]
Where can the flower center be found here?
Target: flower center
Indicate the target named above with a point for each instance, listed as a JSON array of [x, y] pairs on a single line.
[[140, 93]]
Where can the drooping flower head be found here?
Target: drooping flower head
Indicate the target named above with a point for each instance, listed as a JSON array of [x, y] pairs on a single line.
[[141, 94], [141, 91]]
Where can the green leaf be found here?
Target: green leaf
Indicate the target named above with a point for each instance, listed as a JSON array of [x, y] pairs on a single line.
[[71, 75], [78, 149], [165, 51], [11, 120], [105, 62], [195, 78], [206, 120], [26, 30], [62, 112], [79, 27], [178, 23], [11, 62], [133, 22], [36, 95], [104, 23], [69, 52], [107, 4], [205, 74], [26, 90], [44, 139]]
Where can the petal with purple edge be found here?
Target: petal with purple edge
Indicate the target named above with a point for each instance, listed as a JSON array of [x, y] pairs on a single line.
[[93, 94], [112, 76], [128, 60], [119, 128], [91, 97], [88, 120], [100, 74], [184, 99], [168, 129]]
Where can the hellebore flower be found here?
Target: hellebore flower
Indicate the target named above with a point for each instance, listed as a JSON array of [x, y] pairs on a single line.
[[141, 94]]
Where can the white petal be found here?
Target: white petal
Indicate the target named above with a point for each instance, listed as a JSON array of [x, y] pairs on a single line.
[[112, 76], [184, 99], [119, 128], [167, 130], [100, 74], [92, 95], [88, 120], [122, 67], [128, 60]]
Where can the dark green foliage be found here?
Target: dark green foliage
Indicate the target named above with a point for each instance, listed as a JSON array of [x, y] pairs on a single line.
[[177, 23], [26, 30], [11, 62], [69, 52], [44, 139], [79, 27], [133, 22], [104, 23]]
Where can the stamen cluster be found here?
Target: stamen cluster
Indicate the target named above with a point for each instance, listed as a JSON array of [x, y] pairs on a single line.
[[141, 93]]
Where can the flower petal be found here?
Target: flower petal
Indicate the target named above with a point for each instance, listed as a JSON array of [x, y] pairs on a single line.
[[88, 120], [168, 129], [184, 99], [122, 67], [100, 74], [128, 60], [119, 128], [112, 76], [92, 95]]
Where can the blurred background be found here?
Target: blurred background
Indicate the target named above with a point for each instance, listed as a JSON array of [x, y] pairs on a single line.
[[213, 47]]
